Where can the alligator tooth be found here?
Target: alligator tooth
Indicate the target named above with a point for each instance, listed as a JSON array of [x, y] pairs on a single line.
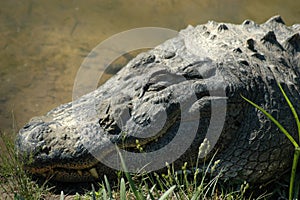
[[94, 173], [79, 172]]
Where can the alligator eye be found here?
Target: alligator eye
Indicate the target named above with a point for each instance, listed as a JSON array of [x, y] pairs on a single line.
[[162, 79]]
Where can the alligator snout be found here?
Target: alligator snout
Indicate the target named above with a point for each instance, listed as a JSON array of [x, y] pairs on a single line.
[[32, 135]]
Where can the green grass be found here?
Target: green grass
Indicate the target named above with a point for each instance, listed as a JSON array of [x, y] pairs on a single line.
[[16, 184], [179, 185], [293, 193]]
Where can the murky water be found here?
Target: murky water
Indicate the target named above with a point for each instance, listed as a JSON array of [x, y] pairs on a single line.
[[44, 42]]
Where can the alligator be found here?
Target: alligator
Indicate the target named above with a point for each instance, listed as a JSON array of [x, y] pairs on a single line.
[[182, 97]]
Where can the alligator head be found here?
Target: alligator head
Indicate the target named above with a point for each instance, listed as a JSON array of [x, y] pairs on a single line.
[[164, 103]]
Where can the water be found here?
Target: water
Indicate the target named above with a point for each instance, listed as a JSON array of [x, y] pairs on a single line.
[[44, 42]]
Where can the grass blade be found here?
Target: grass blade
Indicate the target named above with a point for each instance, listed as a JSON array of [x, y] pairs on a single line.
[[107, 187], [196, 195], [150, 195], [292, 109], [297, 149], [93, 192], [134, 189], [274, 121], [293, 173], [122, 190], [167, 193]]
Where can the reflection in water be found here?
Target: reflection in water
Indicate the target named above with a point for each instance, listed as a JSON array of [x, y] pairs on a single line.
[[44, 42]]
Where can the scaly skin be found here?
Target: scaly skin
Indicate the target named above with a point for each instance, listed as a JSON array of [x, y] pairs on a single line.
[[244, 59]]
